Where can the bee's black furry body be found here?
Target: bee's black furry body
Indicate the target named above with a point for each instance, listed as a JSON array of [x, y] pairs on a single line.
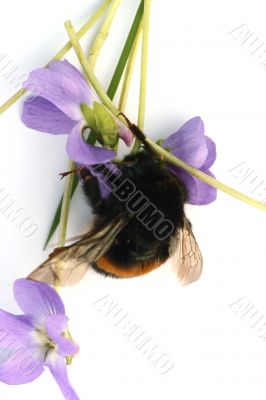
[[138, 223], [136, 250]]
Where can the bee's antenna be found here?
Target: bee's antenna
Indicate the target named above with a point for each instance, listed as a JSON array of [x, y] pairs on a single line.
[[126, 119]]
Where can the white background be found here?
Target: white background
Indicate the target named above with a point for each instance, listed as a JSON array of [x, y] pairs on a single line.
[[195, 68]]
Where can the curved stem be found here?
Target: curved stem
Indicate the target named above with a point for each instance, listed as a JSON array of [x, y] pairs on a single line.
[[143, 74], [103, 33], [20, 93]]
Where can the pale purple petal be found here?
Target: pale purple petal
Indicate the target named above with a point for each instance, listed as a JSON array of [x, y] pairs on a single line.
[[68, 70], [199, 192], [17, 362], [41, 115], [82, 152], [21, 368], [37, 299], [206, 194], [124, 132], [58, 369], [189, 143], [63, 86], [56, 326], [18, 325], [211, 154]]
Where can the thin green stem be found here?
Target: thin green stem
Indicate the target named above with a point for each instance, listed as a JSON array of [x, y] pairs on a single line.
[[65, 205], [165, 155], [129, 72], [128, 76], [103, 33], [63, 227], [87, 67], [143, 74], [126, 50], [84, 29]]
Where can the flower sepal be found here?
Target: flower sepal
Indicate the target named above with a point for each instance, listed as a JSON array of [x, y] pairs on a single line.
[[102, 123]]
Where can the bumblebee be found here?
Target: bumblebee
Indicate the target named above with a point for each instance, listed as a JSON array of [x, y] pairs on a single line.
[[137, 225]]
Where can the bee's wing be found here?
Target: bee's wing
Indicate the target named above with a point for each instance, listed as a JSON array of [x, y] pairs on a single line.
[[186, 255], [67, 265]]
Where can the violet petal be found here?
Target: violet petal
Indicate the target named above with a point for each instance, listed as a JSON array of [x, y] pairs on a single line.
[[37, 299], [82, 152], [58, 369], [189, 143], [206, 194], [19, 326], [211, 157], [199, 192], [67, 69], [17, 362], [62, 85], [55, 326], [42, 115]]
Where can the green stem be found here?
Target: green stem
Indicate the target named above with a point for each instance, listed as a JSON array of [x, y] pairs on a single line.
[[126, 50], [128, 76], [205, 178], [84, 29], [56, 218], [129, 72], [65, 205], [87, 67], [103, 33], [63, 227], [143, 74], [165, 155]]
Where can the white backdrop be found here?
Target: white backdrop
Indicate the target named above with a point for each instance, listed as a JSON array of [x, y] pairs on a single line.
[[196, 67]]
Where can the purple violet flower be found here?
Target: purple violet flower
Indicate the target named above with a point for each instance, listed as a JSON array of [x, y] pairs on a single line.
[[61, 89], [36, 339], [190, 144]]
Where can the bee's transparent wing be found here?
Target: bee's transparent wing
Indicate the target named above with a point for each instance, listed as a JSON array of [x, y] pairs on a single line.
[[186, 255], [67, 265]]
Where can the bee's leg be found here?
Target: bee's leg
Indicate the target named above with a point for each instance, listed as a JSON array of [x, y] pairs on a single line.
[[76, 170], [91, 187]]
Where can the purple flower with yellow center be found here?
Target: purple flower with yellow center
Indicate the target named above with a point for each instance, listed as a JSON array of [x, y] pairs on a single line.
[[35, 340], [57, 109], [190, 144]]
